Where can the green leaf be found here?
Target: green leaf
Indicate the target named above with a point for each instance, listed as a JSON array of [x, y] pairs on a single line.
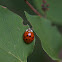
[[12, 46], [49, 35], [55, 10]]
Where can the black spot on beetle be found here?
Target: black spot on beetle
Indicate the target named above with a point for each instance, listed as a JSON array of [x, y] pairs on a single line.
[[29, 36], [26, 39]]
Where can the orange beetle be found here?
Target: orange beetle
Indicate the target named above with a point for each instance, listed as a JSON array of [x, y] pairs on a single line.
[[28, 36]]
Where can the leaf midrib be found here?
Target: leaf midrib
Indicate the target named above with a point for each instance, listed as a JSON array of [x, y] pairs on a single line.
[[11, 54]]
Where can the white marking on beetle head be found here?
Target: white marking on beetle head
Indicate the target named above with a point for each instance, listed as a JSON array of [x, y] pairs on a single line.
[[29, 30]]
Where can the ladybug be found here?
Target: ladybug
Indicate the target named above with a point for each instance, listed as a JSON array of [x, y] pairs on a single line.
[[28, 36]]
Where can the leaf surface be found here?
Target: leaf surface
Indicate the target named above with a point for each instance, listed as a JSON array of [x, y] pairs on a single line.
[[12, 46], [49, 35]]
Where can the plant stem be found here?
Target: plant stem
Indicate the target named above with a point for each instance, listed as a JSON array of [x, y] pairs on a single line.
[[33, 8]]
